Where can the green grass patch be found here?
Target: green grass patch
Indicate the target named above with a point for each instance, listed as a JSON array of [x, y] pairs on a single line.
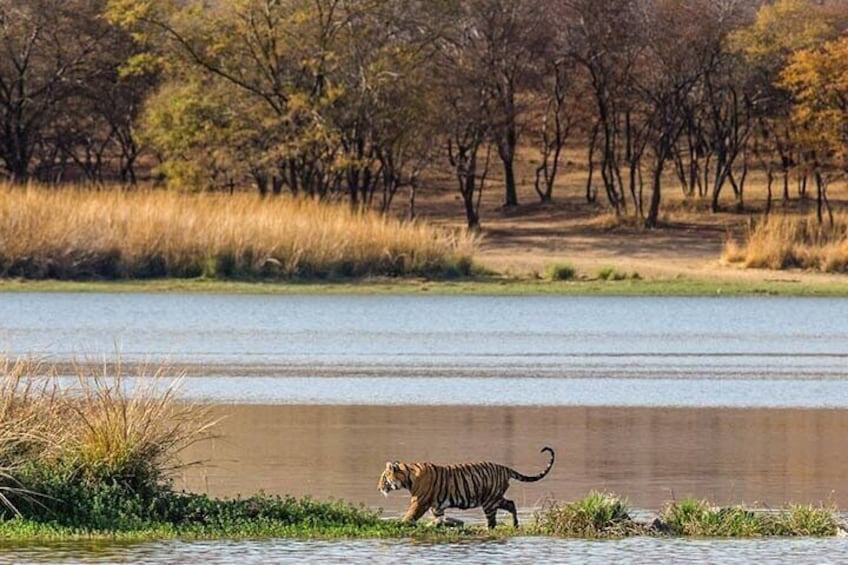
[[698, 518], [471, 286], [611, 274], [598, 515]]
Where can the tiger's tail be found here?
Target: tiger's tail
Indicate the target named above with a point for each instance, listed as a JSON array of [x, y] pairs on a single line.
[[513, 474]]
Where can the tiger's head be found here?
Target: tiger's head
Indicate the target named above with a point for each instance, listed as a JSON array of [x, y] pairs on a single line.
[[395, 477]]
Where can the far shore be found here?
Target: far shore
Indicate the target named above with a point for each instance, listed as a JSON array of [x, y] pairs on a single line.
[[768, 283]]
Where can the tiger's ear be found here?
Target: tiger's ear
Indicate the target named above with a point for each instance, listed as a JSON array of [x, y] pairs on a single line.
[[392, 466]]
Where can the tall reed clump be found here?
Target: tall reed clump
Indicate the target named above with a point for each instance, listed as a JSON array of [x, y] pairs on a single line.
[[127, 431], [781, 242], [27, 425], [119, 234], [93, 454]]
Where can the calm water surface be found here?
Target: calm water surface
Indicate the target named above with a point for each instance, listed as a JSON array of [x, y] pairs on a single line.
[[740, 400], [651, 455], [768, 352]]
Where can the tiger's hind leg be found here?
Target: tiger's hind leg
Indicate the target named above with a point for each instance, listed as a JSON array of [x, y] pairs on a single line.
[[509, 506], [491, 516]]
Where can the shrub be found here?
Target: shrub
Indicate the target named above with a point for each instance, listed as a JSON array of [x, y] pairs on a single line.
[[609, 273], [127, 432], [605, 273], [804, 520], [560, 272], [27, 424], [692, 517]]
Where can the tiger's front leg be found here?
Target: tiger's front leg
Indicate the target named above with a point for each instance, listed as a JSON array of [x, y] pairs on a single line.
[[415, 511], [439, 519]]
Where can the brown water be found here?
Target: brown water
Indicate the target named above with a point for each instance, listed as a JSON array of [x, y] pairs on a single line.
[[649, 455]]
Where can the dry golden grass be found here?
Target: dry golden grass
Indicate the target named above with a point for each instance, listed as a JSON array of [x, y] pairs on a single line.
[[781, 242], [128, 430], [105, 428], [27, 427], [77, 233]]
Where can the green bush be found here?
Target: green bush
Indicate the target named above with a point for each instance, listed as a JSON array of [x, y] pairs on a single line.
[[560, 272]]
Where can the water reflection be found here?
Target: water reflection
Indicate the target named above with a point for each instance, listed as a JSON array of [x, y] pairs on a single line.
[[518, 550], [650, 455]]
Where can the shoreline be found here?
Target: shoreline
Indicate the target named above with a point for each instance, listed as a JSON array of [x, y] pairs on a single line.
[[706, 522], [681, 286]]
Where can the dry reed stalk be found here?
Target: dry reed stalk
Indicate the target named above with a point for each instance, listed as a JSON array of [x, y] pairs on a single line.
[[107, 427], [780, 242], [74, 233], [28, 427], [130, 428]]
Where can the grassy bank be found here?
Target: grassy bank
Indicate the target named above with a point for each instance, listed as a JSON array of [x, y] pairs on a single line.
[[487, 286], [597, 516], [76, 234]]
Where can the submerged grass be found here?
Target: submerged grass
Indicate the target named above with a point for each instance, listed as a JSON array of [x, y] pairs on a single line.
[[83, 234]]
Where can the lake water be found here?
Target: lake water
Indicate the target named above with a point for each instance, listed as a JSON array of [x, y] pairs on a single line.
[[740, 400], [518, 550]]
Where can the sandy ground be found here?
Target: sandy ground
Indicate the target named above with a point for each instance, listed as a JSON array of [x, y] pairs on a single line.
[[523, 240]]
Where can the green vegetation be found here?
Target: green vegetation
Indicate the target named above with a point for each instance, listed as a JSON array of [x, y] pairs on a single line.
[[699, 518], [560, 272], [480, 285], [599, 515], [611, 274]]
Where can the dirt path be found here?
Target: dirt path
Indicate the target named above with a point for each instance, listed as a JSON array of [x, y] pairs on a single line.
[[523, 241]]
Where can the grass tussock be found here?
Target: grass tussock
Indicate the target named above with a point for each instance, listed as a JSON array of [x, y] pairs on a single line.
[[129, 433], [598, 515], [699, 518], [560, 272], [782, 242], [119, 234], [60, 444]]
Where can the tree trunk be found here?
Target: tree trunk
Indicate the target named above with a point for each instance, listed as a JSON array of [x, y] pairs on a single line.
[[656, 195]]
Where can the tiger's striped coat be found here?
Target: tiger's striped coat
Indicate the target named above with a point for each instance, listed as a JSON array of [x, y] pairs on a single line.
[[466, 485]]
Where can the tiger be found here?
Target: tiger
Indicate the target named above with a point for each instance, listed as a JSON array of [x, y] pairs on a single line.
[[466, 485]]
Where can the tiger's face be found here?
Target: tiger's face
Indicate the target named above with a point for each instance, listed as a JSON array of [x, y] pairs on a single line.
[[395, 477]]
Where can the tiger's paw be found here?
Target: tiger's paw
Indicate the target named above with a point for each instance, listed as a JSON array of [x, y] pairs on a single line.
[[447, 522]]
